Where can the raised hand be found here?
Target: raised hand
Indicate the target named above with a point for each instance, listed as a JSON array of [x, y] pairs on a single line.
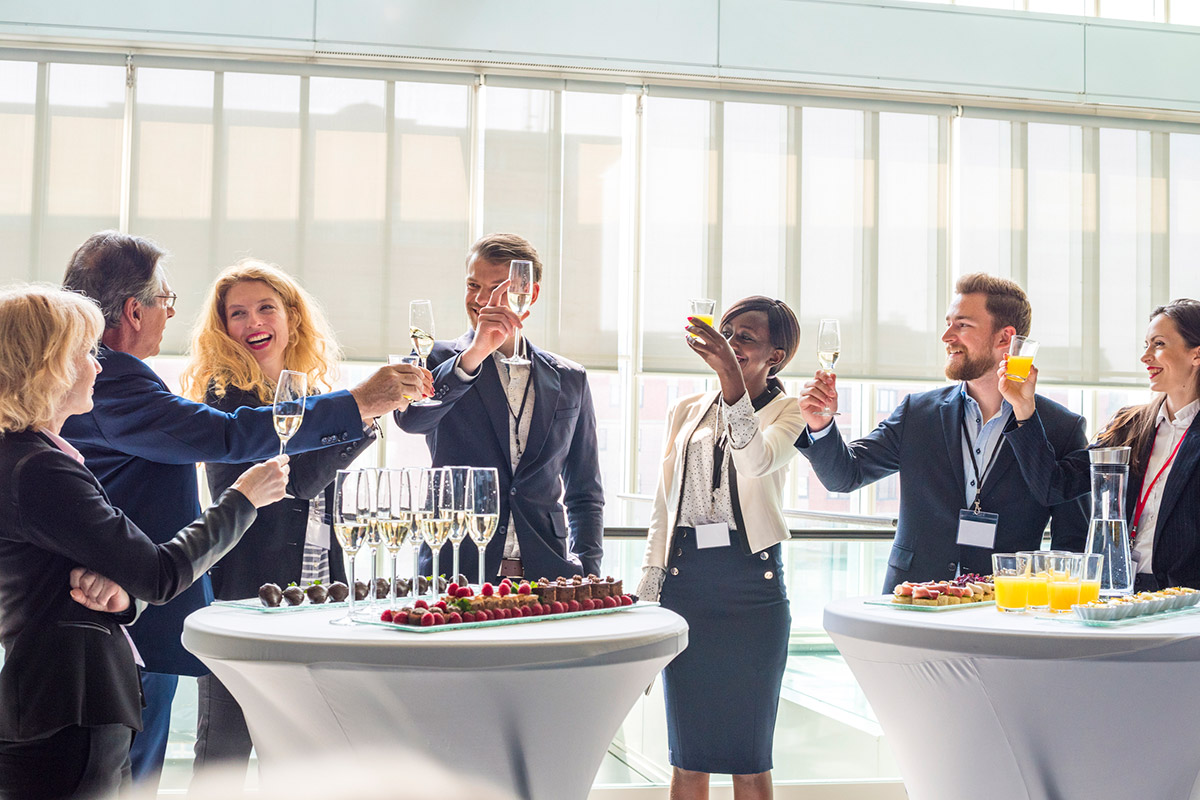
[[496, 324], [391, 387], [818, 395], [1019, 395], [710, 345], [96, 592], [264, 483]]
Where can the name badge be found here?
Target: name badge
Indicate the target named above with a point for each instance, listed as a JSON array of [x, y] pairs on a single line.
[[977, 528], [714, 534]]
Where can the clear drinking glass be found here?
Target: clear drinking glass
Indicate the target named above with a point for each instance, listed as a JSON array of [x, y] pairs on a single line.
[[829, 348], [485, 512], [1021, 351], [1039, 578], [461, 491], [413, 512], [520, 296], [1065, 573], [1091, 568], [437, 516], [374, 537], [351, 514], [288, 410], [1010, 574], [703, 309], [396, 358], [420, 330]]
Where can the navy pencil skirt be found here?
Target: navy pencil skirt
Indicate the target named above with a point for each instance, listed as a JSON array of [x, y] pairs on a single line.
[[722, 691]]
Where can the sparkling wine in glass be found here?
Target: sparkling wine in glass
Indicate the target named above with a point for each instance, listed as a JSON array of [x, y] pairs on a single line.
[[393, 501], [437, 517], [374, 538], [520, 297], [461, 491], [420, 330], [290, 392], [485, 508], [412, 508], [829, 347], [351, 504]]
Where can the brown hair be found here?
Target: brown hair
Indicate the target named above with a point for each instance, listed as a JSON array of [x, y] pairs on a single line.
[[505, 247], [44, 329], [781, 323], [1134, 426], [110, 267], [1006, 301], [218, 361]]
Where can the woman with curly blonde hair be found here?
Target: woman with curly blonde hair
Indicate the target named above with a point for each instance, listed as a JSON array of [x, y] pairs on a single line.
[[256, 322]]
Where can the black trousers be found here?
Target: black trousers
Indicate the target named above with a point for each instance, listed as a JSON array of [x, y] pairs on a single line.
[[73, 762]]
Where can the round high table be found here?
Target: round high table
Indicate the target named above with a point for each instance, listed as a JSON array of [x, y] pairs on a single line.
[[531, 707], [1024, 707]]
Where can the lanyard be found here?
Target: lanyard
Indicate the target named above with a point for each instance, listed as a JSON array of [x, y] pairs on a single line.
[[1141, 503], [974, 464], [516, 415]]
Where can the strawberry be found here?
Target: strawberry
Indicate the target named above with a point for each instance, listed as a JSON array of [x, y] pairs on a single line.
[[464, 591], [454, 618], [438, 619], [538, 609], [440, 604], [523, 588], [452, 589], [626, 600], [574, 606], [506, 580], [488, 590], [427, 620], [610, 602], [505, 589], [387, 615], [420, 604], [559, 607], [526, 611]]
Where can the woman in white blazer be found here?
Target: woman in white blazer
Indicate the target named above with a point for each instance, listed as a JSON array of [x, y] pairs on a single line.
[[713, 550]]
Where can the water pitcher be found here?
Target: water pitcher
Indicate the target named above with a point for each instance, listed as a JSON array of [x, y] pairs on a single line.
[[1108, 533]]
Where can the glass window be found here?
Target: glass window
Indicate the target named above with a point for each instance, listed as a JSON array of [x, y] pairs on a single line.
[[1077, 7], [1184, 204], [1139, 10], [18, 95], [983, 184], [657, 394]]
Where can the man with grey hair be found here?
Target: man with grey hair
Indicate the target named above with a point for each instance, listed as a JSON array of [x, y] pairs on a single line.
[[142, 442]]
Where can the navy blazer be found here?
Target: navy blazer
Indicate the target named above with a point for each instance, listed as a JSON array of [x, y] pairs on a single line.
[[65, 664], [555, 496], [1054, 478], [142, 442], [922, 440]]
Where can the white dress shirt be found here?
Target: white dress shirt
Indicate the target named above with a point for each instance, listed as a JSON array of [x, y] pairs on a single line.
[[1167, 436]]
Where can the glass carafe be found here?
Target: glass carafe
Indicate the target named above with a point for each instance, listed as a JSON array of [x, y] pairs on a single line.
[[1108, 533]]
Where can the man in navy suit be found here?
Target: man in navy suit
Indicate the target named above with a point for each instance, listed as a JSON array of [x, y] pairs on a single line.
[[142, 443], [535, 424], [957, 473]]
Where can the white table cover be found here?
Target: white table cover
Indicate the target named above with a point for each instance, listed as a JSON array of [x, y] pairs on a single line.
[[531, 707], [978, 703]]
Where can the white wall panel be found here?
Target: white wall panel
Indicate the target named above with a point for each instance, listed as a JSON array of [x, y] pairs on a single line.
[[1143, 65]]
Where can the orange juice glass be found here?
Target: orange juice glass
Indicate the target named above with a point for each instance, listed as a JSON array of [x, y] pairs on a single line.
[[1010, 575], [1065, 570], [1039, 577], [1021, 351], [1089, 591], [1091, 567]]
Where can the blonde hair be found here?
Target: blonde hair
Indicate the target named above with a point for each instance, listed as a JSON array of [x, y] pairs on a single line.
[[218, 361], [44, 329]]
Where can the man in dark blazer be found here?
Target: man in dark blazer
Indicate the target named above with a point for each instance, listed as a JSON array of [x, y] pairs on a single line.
[[142, 442], [948, 447], [535, 424]]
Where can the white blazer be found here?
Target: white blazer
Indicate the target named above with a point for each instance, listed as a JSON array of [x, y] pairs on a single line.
[[760, 472]]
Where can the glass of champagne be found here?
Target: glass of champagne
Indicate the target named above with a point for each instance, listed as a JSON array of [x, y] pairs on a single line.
[[829, 347], [411, 505], [436, 517], [351, 509], [290, 392], [420, 330], [461, 490], [374, 537], [520, 296], [393, 501], [394, 358], [485, 512]]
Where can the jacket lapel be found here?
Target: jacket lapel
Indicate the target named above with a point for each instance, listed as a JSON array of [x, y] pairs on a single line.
[[1181, 470], [951, 412], [547, 385], [491, 394]]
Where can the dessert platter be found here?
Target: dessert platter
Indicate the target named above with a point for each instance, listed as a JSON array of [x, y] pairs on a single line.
[[507, 604], [272, 599], [965, 591], [1135, 608]]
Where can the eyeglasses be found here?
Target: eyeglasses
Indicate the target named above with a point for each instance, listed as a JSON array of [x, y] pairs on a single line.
[[168, 300]]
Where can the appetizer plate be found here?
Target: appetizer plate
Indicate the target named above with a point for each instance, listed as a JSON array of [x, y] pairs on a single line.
[[886, 600], [254, 604], [493, 623], [1118, 623]]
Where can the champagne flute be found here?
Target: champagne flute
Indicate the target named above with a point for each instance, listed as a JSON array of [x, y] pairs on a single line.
[[374, 537], [350, 498], [411, 502], [392, 501], [829, 347], [485, 508], [461, 491], [520, 296], [436, 517], [414, 359], [420, 330], [290, 392]]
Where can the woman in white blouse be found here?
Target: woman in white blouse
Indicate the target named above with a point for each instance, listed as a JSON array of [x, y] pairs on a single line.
[[1163, 501], [713, 550]]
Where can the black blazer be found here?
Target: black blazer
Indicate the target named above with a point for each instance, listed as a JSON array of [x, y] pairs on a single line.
[[922, 439], [272, 551], [555, 495], [65, 665], [1176, 558]]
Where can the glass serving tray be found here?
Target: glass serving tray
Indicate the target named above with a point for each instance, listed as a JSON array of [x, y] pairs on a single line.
[[886, 600], [254, 604], [492, 623], [1119, 623]]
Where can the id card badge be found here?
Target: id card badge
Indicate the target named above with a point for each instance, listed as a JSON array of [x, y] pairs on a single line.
[[977, 528], [714, 534]]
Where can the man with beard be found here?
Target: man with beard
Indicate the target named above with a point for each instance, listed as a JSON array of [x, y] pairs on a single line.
[[962, 496]]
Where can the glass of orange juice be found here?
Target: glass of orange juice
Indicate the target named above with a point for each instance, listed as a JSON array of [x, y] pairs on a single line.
[[1091, 567], [1065, 571], [702, 309], [1021, 351], [1010, 574], [1039, 579]]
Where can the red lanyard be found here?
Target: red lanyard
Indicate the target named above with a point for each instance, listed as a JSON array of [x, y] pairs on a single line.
[[1141, 504]]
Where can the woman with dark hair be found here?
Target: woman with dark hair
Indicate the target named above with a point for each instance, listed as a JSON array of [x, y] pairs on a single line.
[[713, 550], [1163, 506], [70, 699]]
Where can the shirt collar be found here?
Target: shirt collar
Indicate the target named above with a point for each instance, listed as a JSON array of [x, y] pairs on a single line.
[[1183, 417], [1005, 407], [62, 444]]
